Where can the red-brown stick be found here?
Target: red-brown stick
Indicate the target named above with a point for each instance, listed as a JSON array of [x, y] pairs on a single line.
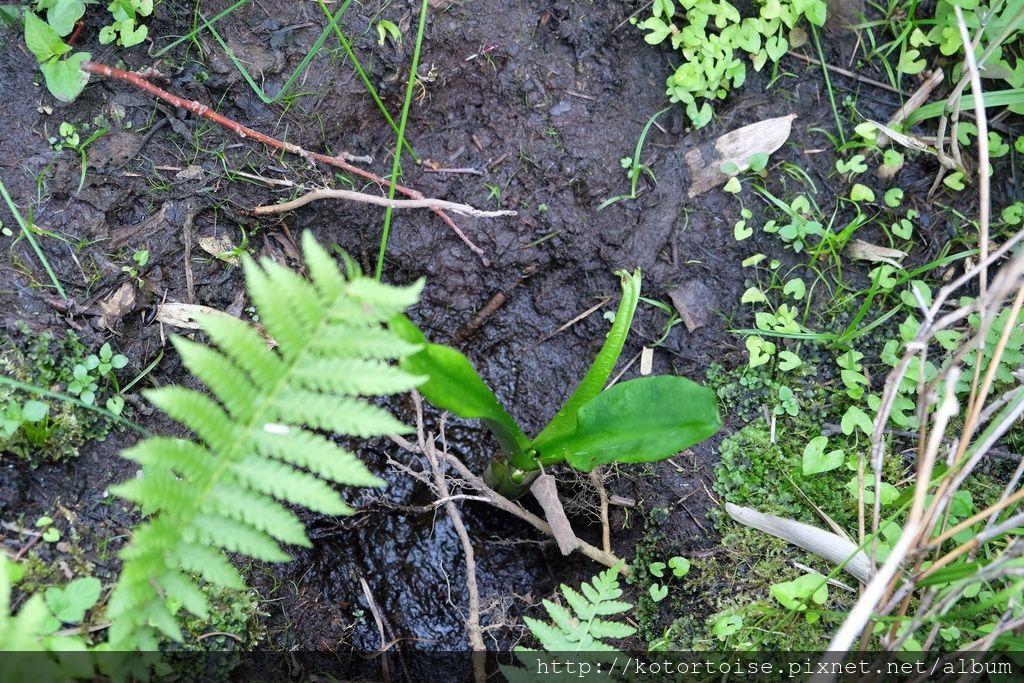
[[206, 112]]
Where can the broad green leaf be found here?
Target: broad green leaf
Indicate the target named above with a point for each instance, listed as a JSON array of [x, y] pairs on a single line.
[[600, 370], [63, 16], [817, 460], [642, 420], [64, 77], [41, 40], [455, 385], [34, 411], [798, 593], [70, 603]]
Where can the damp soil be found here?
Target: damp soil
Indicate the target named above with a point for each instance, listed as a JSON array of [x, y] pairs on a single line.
[[541, 100]]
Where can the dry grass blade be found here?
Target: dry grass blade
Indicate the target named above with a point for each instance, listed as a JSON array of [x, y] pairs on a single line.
[[897, 586]]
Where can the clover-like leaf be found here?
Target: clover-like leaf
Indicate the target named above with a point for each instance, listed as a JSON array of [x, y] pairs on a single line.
[[679, 565]]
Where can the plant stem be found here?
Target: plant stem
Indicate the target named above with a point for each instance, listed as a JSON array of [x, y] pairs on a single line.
[[413, 69], [32, 241], [347, 46], [828, 85]]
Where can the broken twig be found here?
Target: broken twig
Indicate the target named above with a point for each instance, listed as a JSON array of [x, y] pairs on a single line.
[[340, 161], [353, 196]]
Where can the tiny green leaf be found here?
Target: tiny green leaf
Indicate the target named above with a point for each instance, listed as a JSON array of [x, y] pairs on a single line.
[[789, 361], [855, 418], [893, 197], [954, 181], [70, 603], [753, 295], [795, 288], [861, 193], [680, 566], [658, 592], [741, 231], [34, 411], [817, 460]]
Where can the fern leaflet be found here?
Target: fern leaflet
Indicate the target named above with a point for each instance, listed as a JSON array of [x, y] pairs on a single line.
[[257, 448], [578, 628]]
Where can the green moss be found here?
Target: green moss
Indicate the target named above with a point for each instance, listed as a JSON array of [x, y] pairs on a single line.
[[233, 623], [46, 361]]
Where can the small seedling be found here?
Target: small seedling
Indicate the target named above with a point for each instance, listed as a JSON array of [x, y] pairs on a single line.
[[69, 138], [69, 604], [51, 534], [125, 28], [29, 417], [140, 258], [713, 36], [91, 370], [388, 29], [640, 420]]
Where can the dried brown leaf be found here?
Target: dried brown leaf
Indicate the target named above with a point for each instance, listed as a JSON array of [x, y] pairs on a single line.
[[545, 491]]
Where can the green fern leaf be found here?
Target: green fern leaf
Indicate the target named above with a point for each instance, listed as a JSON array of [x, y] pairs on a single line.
[[257, 449], [577, 628], [244, 345], [355, 377], [315, 453], [340, 415], [238, 537], [230, 384], [287, 483], [208, 563], [201, 414], [370, 342], [185, 591], [258, 511]]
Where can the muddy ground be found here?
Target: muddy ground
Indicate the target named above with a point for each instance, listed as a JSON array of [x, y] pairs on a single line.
[[543, 98]]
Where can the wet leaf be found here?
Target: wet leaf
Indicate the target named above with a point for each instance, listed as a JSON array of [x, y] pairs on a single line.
[[642, 420]]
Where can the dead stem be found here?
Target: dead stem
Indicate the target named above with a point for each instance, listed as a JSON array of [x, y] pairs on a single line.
[[340, 161], [426, 445], [352, 196]]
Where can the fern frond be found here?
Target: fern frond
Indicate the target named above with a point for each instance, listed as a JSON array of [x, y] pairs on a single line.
[[578, 628], [257, 450]]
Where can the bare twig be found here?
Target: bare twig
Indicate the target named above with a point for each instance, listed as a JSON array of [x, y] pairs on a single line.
[[426, 444], [352, 196], [598, 481], [379, 620], [341, 161]]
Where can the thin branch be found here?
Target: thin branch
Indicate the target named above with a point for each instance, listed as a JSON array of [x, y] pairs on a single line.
[[352, 196], [426, 444], [245, 132]]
